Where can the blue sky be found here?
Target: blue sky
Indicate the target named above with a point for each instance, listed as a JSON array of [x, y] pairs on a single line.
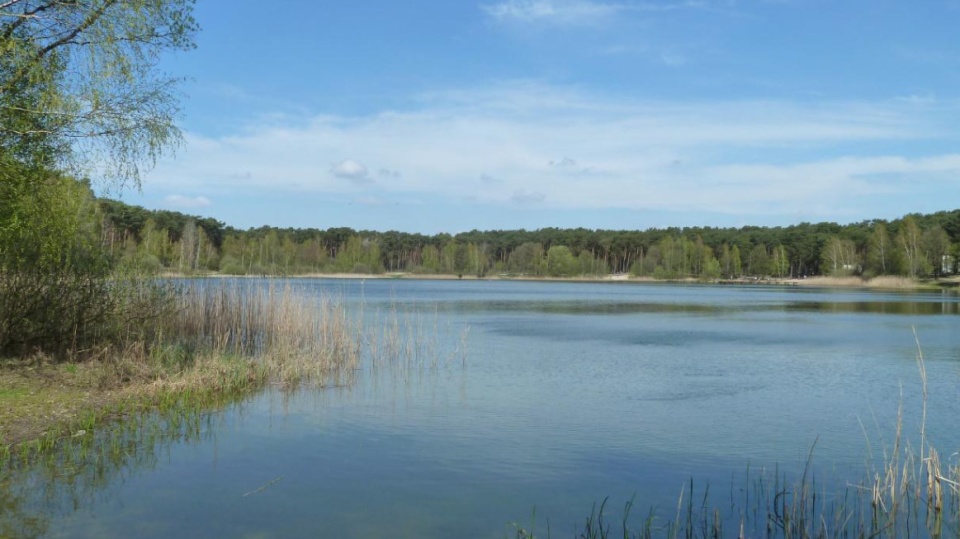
[[450, 115]]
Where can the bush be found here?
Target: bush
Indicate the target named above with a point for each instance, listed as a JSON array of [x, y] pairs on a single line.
[[420, 270], [231, 266], [58, 293], [360, 268]]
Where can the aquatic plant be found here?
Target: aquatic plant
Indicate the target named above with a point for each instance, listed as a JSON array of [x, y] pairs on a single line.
[[906, 493]]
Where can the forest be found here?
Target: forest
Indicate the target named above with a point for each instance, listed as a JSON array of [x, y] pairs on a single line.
[[915, 246]]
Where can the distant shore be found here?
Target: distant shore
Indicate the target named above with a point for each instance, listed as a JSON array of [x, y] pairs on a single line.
[[885, 282]]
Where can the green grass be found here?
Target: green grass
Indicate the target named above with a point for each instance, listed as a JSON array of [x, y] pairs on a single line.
[[12, 393]]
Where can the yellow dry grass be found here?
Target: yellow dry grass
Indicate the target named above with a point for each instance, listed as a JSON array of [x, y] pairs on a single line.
[[891, 282]]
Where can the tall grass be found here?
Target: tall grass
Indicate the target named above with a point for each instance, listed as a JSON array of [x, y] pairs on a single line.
[[405, 340], [290, 335]]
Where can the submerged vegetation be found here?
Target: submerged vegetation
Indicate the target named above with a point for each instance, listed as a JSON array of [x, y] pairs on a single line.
[[907, 491]]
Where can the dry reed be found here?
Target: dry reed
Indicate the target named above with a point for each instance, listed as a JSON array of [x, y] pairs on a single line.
[[887, 282], [226, 331]]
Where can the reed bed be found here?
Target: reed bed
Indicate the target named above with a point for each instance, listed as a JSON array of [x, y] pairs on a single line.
[[288, 336], [403, 340], [892, 282], [888, 282], [195, 346]]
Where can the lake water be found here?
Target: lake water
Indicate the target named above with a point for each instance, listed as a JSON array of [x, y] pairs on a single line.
[[548, 398]]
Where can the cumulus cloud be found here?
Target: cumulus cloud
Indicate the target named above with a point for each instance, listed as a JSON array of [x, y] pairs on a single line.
[[181, 201], [734, 157], [349, 169]]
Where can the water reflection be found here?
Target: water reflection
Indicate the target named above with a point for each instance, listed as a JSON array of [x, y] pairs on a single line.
[[620, 308], [878, 307], [37, 489]]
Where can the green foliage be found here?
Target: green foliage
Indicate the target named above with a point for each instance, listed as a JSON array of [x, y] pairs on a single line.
[[79, 91], [48, 222], [527, 258], [758, 261], [711, 270], [359, 255], [57, 293], [431, 259], [588, 265], [689, 253], [880, 251], [936, 245], [780, 262], [840, 258], [912, 261], [561, 262], [79, 84]]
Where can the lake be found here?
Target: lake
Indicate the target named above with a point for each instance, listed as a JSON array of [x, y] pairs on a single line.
[[540, 400]]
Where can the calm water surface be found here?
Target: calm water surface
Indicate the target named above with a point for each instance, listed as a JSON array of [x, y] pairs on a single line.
[[570, 393]]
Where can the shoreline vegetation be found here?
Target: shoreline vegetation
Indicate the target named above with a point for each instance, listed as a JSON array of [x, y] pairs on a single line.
[[206, 344], [210, 343], [888, 282]]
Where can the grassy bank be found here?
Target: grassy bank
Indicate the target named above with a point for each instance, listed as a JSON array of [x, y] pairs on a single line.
[[209, 342]]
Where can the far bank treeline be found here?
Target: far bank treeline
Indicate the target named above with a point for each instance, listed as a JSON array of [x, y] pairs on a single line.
[[916, 246]]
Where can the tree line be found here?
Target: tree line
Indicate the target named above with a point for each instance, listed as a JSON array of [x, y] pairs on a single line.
[[916, 246]]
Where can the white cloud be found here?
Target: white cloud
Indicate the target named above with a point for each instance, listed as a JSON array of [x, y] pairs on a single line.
[[552, 11], [349, 169], [180, 201], [737, 157]]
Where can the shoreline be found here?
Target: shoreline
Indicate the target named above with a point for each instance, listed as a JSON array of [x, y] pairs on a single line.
[[40, 400], [885, 282]]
